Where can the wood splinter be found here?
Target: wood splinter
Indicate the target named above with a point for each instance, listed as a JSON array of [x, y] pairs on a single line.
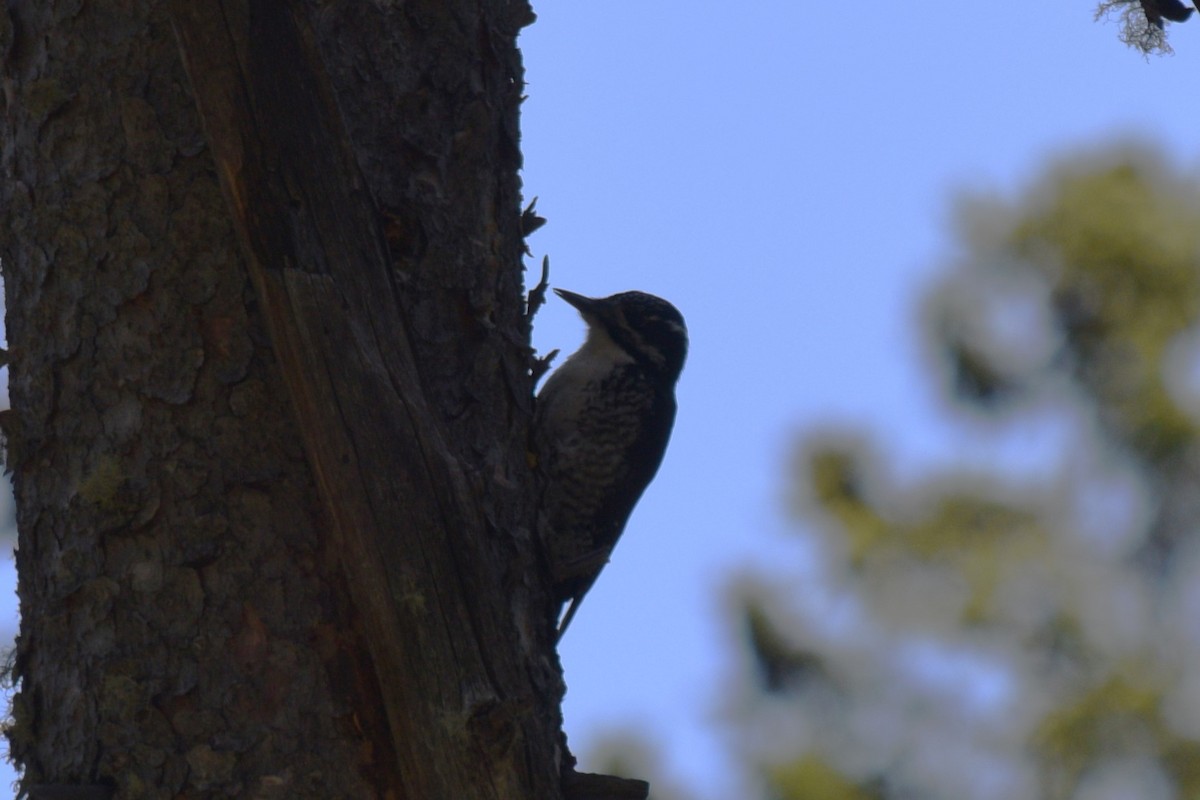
[[591, 786]]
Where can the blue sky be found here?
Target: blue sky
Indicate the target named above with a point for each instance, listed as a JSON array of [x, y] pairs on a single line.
[[784, 175]]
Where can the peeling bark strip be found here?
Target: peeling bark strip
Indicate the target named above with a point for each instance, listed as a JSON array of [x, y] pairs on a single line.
[[412, 487]]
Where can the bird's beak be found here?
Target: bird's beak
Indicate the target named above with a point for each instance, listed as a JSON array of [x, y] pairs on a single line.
[[586, 305]]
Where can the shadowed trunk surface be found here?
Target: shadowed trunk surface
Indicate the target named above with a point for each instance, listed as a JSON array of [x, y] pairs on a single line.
[[270, 402]]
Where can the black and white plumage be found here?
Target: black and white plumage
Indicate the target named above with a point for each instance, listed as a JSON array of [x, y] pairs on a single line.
[[601, 426]]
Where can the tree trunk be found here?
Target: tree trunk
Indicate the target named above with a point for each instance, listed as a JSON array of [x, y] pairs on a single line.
[[270, 402]]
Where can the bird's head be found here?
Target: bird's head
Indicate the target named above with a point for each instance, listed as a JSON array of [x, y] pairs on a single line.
[[649, 329]]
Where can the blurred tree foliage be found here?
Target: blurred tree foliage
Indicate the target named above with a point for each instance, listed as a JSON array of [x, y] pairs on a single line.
[[1011, 635]]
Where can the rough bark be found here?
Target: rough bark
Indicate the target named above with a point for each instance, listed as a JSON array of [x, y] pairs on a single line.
[[170, 554], [269, 445]]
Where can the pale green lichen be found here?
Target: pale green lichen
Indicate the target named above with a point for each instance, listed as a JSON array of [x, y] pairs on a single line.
[[102, 485], [44, 97]]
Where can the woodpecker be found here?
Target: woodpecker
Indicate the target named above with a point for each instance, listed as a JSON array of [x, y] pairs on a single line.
[[601, 425]]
